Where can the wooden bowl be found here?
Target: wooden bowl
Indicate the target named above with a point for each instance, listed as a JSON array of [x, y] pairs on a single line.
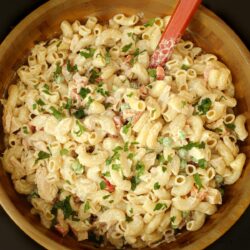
[[206, 29]]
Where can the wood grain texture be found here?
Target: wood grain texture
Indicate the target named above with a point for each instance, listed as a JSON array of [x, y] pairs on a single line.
[[206, 29]]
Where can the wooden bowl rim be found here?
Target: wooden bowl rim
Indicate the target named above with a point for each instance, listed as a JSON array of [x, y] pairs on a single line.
[[32, 231]]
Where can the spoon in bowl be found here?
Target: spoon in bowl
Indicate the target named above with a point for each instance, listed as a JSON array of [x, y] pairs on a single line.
[[178, 23]]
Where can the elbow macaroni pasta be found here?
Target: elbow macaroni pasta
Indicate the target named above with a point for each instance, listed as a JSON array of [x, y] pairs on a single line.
[[102, 143]]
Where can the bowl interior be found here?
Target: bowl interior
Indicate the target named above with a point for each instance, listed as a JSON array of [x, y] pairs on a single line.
[[208, 32]]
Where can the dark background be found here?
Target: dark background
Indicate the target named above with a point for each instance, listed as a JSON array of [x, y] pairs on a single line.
[[234, 12]]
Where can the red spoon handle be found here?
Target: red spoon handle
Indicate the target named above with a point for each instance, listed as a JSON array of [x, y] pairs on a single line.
[[178, 23]]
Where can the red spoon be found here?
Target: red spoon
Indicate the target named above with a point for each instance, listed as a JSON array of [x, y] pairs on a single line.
[[178, 23]]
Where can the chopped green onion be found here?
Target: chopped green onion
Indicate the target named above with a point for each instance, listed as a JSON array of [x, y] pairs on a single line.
[[157, 186], [150, 22], [126, 47], [90, 53], [160, 206]]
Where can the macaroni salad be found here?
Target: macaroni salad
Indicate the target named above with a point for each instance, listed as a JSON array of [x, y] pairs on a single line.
[[113, 150]]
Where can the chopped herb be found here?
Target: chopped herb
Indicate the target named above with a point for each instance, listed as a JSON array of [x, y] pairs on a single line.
[[217, 130], [79, 114], [135, 57], [86, 206], [77, 167], [133, 36], [102, 185], [184, 66], [166, 141], [126, 47], [222, 97], [152, 73], [84, 92], [139, 171], [125, 128], [128, 218], [134, 182], [46, 89], [107, 57], [185, 214], [191, 145], [102, 91], [42, 155], [181, 135], [34, 106], [183, 104], [130, 156], [40, 102], [117, 148], [105, 197], [71, 68], [115, 156], [164, 169], [126, 146], [197, 181], [32, 195], [150, 22], [202, 163], [93, 75], [25, 130], [157, 186], [106, 174], [134, 142], [204, 106], [68, 104], [107, 105], [90, 53], [139, 168], [230, 126], [80, 130], [221, 189], [159, 206], [65, 206], [90, 100], [56, 113], [58, 71], [116, 167], [64, 151], [172, 219], [130, 94]]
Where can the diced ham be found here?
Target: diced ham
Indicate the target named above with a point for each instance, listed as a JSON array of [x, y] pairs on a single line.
[[136, 117], [201, 195], [128, 59], [143, 91], [79, 81], [63, 230], [118, 121], [160, 73]]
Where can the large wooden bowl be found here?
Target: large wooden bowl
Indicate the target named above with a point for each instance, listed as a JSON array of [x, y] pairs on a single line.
[[206, 29]]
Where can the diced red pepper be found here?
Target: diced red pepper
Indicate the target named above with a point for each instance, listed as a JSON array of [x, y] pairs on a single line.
[[109, 186]]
